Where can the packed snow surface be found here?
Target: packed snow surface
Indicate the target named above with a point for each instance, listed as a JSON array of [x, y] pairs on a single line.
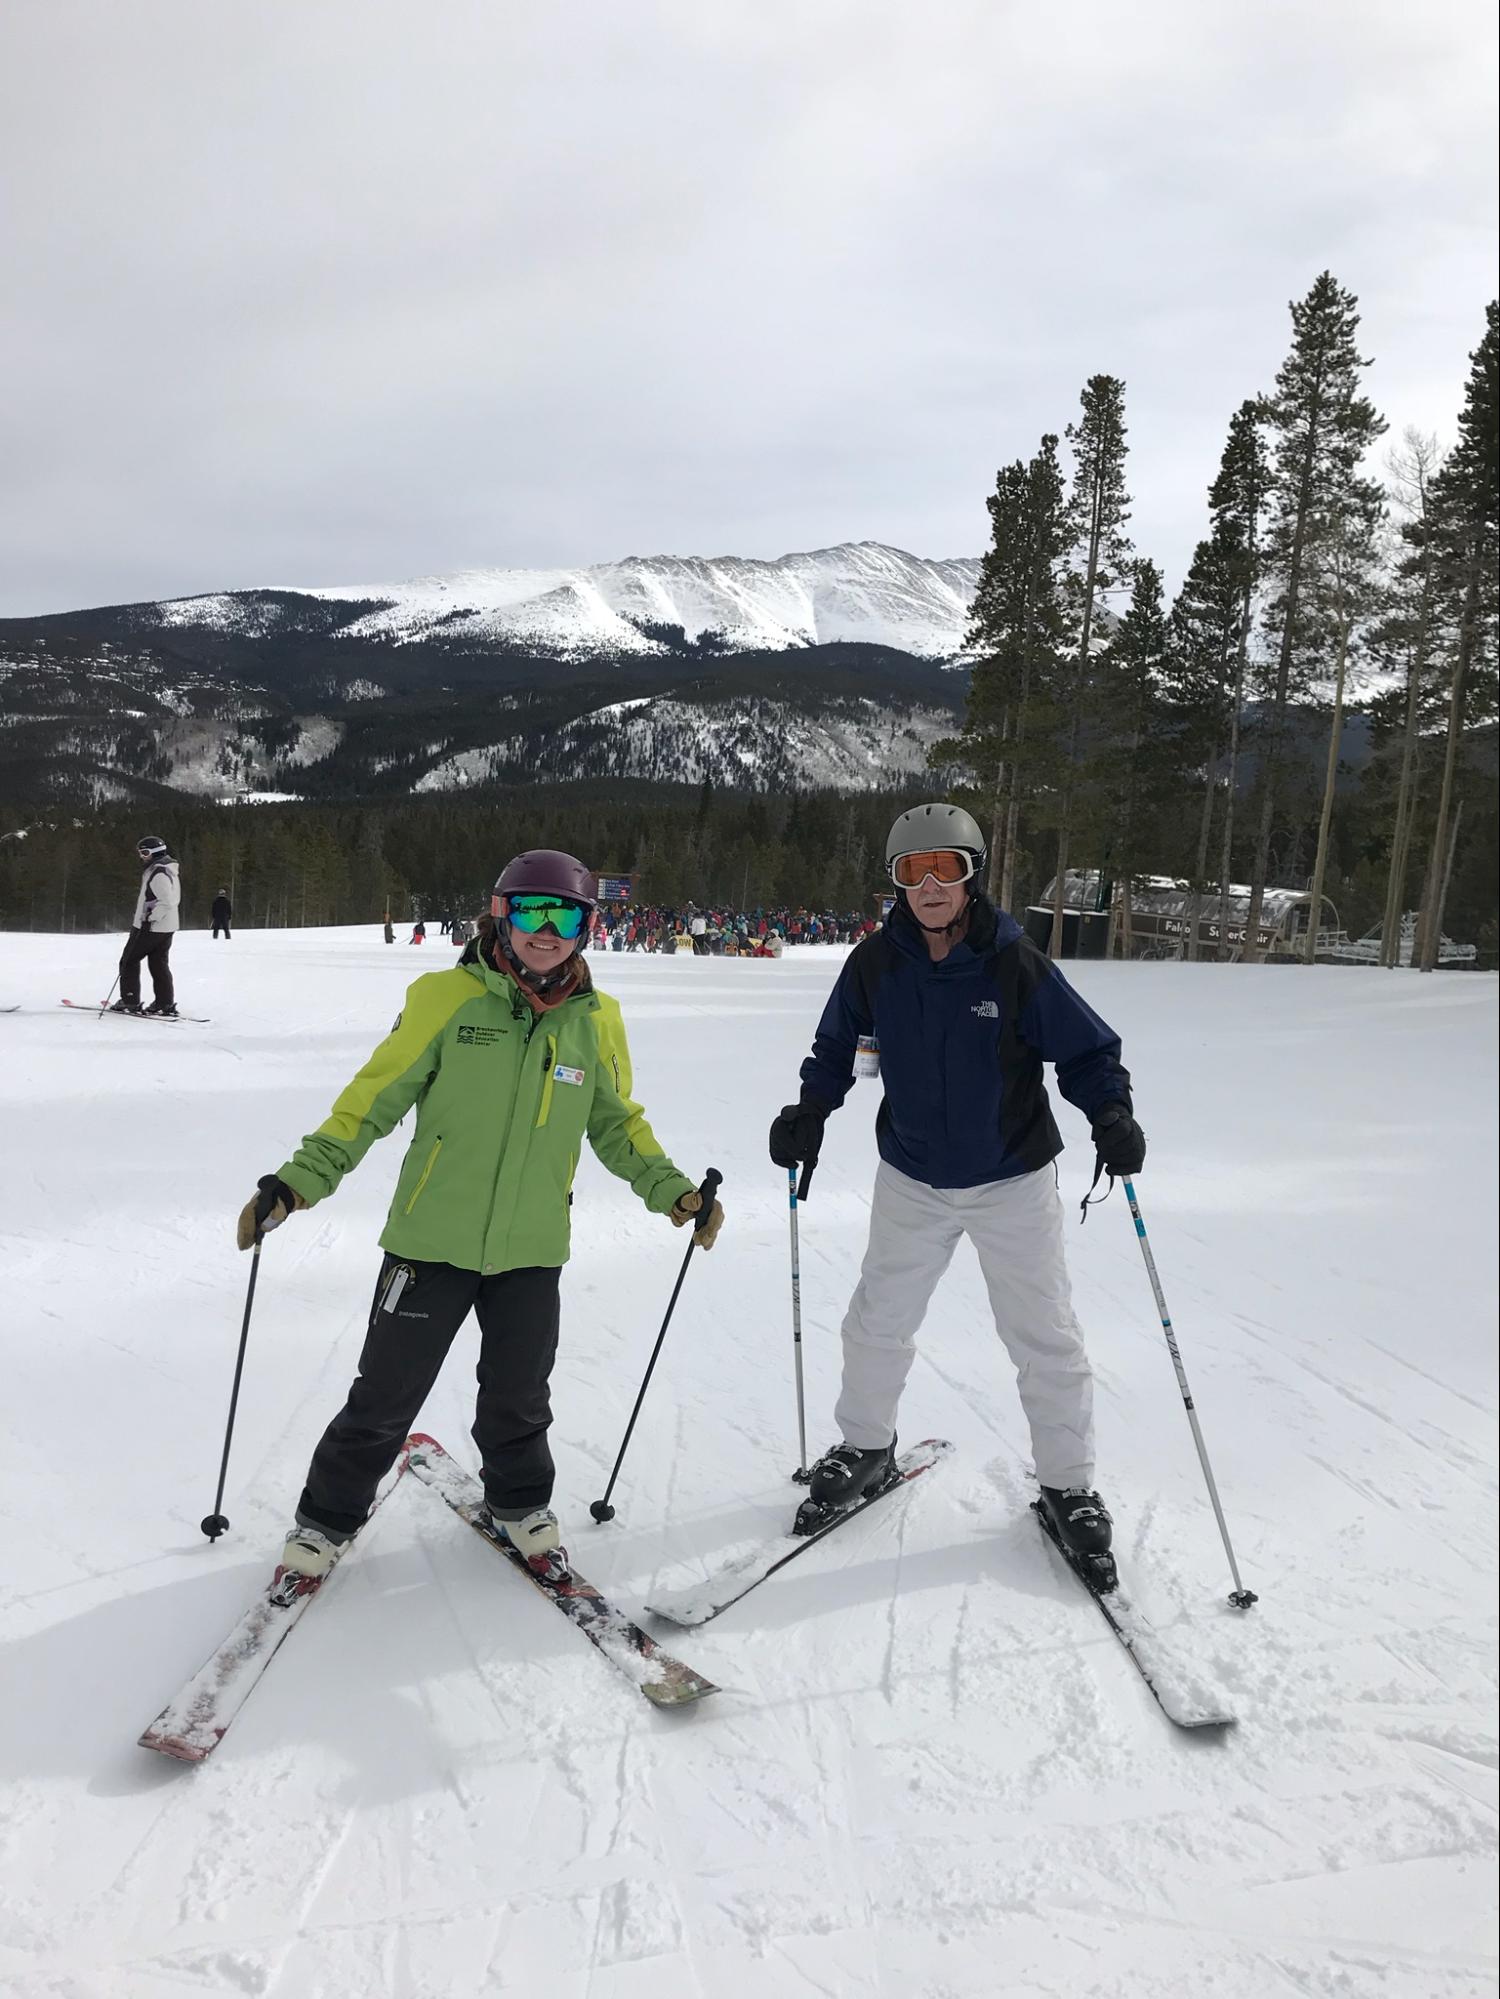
[[931, 1772]]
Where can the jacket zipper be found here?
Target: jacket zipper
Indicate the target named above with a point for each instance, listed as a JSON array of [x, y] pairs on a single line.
[[548, 1079], [416, 1192]]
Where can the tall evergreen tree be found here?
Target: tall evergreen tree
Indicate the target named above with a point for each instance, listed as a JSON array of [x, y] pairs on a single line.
[[1466, 532], [1015, 630], [1130, 713], [1347, 580], [1097, 513], [1404, 641], [1322, 428], [1201, 679]]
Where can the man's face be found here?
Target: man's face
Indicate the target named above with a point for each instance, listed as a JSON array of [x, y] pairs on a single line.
[[937, 904]]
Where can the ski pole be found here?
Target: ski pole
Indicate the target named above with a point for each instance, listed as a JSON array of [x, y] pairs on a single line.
[[1239, 1596], [214, 1524], [712, 1179], [801, 1475], [104, 1007]]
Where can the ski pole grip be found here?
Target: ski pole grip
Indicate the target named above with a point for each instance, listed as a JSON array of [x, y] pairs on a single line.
[[713, 1180]]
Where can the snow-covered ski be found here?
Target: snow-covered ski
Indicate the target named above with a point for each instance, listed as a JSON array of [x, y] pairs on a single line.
[[192, 1724], [192, 1019], [1181, 1694], [698, 1602], [665, 1681]]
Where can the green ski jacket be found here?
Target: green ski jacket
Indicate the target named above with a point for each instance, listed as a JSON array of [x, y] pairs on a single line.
[[505, 1098]]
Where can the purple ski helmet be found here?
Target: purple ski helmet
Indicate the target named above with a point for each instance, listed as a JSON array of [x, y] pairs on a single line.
[[545, 871]]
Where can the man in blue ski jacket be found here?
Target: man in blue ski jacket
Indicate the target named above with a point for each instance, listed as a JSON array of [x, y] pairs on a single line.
[[956, 1011]]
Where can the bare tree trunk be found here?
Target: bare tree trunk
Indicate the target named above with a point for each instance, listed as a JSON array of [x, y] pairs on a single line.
[[1226, 851], [1200, 862], [1442, 901], [1403, 862], [1430, 927], [1012, 820], [1406, 809], [999, 818], [1330, 785], [1059, 887], [1127, 917], [1406, 799]]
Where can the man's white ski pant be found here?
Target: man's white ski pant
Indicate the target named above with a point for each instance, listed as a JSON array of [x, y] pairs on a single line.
[[1016, 1228]]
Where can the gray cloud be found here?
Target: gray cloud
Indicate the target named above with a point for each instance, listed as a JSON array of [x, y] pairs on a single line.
[[324, 291]]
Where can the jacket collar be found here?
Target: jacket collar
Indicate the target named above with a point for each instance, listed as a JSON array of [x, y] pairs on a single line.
[[504, 987], [989, 931]]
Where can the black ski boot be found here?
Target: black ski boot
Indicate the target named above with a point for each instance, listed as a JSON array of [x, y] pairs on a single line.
[[125, 1006], [161, 1010], [1079, 1523], [839, 1479]]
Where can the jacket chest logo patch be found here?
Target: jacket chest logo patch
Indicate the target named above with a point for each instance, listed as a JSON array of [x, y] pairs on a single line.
[[986, 1009], [479, 1037], [563, 1074]]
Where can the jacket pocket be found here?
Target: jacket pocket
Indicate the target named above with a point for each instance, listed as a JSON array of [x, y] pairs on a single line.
[[424, 1177]]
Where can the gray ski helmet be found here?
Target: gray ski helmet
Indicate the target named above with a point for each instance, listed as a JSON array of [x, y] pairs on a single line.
[[545, 871], [927, 827], [149, 844]]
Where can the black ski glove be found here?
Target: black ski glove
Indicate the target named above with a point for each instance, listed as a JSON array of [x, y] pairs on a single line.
[[797, 1138], [274, 1201], [1118, 1140]]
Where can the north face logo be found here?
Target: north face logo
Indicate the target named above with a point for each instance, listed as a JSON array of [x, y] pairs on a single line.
[[986, 1009]]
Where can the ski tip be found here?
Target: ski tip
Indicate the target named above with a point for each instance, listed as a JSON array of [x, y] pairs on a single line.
[[181, 1748], [687, 1617], [684, 1693]]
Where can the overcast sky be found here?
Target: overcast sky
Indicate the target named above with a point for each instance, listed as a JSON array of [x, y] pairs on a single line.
[[342, 291]]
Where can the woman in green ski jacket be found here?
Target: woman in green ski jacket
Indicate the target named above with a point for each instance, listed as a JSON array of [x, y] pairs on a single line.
[[512, 1060]]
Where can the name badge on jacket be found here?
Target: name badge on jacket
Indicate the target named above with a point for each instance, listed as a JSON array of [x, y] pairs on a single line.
[[563, 1074]]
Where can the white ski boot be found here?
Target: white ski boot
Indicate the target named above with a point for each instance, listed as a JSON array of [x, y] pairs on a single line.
[[311, 1552], [535, 1536]]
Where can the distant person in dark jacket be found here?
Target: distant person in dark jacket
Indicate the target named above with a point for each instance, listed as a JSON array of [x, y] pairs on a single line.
[[956, 1011], [221, 912], [418, 933]]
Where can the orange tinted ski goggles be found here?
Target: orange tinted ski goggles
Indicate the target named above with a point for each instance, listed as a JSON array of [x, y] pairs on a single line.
[[944, 864]]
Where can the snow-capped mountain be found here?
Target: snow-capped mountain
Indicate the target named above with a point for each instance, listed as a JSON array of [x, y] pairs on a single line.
[[862, 592], [834, 667]]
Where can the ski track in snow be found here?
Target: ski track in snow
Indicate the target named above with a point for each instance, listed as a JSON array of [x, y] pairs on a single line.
[[930, 1773]]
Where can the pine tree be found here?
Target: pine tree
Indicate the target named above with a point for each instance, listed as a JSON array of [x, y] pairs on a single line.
[[1201, 674], [1132, 762], [1347, 582], [1097, 513], [1404, 641], [1015, 629], [1466, 534], [1322, 428]]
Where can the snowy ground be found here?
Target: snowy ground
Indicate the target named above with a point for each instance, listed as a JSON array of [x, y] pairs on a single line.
[[931, 1772]]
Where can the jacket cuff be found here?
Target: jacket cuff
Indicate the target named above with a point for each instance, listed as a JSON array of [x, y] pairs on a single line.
[[665, 1196], [301, 1183]]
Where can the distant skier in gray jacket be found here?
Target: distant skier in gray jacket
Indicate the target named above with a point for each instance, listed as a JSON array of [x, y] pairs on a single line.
[[152, 928]]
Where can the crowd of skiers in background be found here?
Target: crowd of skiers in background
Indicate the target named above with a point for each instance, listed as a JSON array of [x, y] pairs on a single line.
[[707, 933], [721, 933]]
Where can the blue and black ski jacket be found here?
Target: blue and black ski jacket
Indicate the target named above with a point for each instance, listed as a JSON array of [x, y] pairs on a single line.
[[962, 1043]]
